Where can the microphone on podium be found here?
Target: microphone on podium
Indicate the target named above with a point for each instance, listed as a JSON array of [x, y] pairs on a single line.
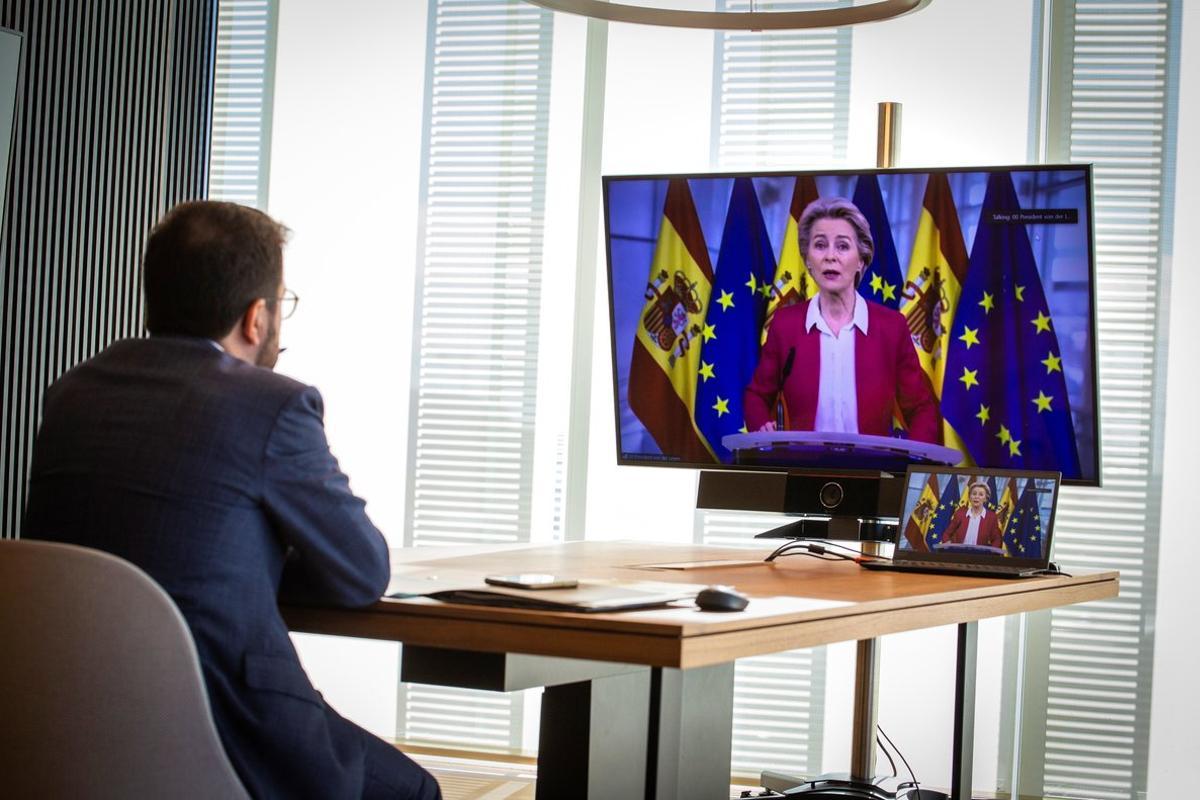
[[783, 376]]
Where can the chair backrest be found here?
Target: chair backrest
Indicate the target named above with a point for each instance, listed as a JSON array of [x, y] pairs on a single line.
[[101, 693]]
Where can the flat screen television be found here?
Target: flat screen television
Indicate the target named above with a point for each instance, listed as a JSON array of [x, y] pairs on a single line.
[[964, 333]]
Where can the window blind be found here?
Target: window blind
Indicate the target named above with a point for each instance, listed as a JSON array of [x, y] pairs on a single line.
[[478, 293], [780, 99], [243, 83], [1111, 102]]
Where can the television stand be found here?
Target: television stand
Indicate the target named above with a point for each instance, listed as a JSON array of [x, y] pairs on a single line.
[[842, 506], [835, 528]]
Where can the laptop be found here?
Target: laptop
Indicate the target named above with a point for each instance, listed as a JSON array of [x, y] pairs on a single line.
[[971, 521]]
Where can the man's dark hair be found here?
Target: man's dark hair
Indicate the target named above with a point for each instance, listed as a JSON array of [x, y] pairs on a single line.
[[205, 263]]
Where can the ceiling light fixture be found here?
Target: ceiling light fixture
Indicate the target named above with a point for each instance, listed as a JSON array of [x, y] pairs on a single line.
[[736, 20]]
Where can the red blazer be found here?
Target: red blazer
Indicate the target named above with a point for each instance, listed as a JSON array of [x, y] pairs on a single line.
[[989, 529], [887, 376]]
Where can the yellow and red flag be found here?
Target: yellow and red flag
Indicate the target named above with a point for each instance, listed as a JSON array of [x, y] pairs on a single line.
[[792, 282], [1006, 503], [919, 520], [936, 272], [666, 350]]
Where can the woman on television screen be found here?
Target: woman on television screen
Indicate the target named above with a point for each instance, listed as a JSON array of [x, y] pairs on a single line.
[[839, 362], [975, 524]]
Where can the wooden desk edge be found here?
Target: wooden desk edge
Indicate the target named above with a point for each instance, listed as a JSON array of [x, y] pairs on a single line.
[[671, 646]]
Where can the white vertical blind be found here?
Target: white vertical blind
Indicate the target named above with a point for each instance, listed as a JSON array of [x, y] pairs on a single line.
[[780, 100], [1112, 105], [478, 294], [243, 82], [479, 272]]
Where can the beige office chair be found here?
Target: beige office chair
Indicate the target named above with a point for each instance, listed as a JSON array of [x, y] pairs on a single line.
[[101, 693]]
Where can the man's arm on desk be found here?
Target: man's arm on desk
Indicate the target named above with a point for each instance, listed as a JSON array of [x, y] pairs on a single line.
[[337, 556]]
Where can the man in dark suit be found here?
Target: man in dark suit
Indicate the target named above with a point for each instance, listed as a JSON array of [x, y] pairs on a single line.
[[185, 454]]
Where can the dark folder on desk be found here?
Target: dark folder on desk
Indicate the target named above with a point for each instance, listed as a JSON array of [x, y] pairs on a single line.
[[589, 596]]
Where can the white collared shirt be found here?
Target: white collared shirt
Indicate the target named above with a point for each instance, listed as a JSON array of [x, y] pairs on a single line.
[[973, 522], [837, 391]]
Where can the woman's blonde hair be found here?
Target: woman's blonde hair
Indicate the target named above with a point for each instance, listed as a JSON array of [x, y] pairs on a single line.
[[981, 485], [837, 208]]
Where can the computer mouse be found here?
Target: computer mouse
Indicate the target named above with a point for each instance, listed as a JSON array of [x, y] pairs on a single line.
[[721, 598]]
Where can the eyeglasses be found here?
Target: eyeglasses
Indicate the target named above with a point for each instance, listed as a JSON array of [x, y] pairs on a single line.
[[288, 302]]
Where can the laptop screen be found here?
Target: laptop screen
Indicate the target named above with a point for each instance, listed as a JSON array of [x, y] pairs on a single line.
[[977, 516]]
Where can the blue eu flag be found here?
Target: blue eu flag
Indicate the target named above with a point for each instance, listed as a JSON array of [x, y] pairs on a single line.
[[1004, 390], [941, 518], [881, 281], [730, 339], [1023, 538]]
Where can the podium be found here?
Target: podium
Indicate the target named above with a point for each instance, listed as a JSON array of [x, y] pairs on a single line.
[[969, 549], [827, 450]]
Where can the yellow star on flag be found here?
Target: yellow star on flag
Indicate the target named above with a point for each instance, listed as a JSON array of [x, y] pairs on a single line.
[[1019, 291], [1042, 401], [984, 414], [1004, 435], [1053, 363], [706, 371], [709, 332], [876, 283], [721, 406], [968, 377], [1041, 322], [988, 303], [1014, 447], [752, 283], [889, 291], [743, 429], [766, 290], [970, 336], [726, 300]]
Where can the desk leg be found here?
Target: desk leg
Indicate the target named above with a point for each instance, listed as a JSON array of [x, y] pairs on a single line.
[[594, 738], [964, 711], [691, 733]]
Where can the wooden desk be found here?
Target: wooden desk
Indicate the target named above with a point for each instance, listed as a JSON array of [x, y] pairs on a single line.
[[796, 602]]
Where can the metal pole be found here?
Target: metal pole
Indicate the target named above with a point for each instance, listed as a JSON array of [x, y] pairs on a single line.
[[887, 142], [964, 711], [866, 703], [866, 683]]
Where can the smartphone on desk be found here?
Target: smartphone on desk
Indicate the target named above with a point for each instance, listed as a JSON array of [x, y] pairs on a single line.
[[531, 580]]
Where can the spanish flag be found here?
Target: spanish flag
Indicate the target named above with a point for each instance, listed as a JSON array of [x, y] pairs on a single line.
[[1006, 503], [922, 514], [792, 282], [936, 272], [666, 350]]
